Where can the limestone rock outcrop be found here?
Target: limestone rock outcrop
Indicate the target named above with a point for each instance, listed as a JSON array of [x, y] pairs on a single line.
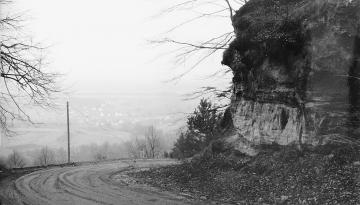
[[296, 66]]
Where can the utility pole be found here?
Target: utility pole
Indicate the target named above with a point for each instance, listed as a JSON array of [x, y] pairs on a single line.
[[1, 67], [68, 129], [1, 70]]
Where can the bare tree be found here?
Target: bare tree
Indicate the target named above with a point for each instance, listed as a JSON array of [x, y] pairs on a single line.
[[100, 157], [23, 77], [149, 146], [15, 160], [132, 149], [200, 51], [153, 145], [222, 96], [45, 157], [60, 155], [102, 152], [137, 148], [195, 52], [2, 163]]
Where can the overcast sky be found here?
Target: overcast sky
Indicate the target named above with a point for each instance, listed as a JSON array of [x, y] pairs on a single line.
[[103, 50], [102, 46]]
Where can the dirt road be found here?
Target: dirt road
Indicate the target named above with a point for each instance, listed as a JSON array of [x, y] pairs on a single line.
[[103, 183]]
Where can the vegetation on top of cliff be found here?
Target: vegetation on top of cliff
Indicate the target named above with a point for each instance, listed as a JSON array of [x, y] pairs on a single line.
[[266, 19], [278, 28], [266, 28]]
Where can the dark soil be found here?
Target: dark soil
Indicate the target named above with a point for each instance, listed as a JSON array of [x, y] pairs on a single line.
[[278, 175]]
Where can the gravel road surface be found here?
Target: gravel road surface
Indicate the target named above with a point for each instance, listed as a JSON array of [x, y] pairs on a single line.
[[104, 183]]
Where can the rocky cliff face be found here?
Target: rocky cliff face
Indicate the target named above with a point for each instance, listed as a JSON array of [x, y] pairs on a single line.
[[296, 71]]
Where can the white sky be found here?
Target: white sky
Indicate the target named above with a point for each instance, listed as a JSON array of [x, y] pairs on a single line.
[[102, 46]]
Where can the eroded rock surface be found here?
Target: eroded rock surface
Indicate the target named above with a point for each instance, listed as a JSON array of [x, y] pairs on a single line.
[[296, 71]]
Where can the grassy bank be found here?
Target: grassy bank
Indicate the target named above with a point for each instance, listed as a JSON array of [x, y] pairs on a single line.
[[278, 175]]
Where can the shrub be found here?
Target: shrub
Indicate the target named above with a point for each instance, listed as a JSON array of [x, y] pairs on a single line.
[[344, 155], [15, 160], [100, 157], [45, 157], [203, 126], [2, 164], [166, 154], [341, 154]]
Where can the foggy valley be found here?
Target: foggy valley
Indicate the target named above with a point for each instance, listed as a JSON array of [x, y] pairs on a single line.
[[179, 102]]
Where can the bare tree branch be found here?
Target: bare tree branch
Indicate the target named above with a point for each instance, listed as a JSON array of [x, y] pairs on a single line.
[[205, 91], [231, 10], [22, 73], [199, 52], [202, 15], [201, 46]]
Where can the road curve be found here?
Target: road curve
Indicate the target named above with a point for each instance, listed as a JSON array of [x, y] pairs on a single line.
[[88, 184]]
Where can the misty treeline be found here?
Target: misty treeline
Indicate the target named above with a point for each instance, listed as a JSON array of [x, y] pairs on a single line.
[[51, 156], [150, 145], [14, 160], [202, 127], [40, 157], [17, 159]]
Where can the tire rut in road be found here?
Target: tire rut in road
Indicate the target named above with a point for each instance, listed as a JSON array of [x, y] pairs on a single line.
[[91, 184]]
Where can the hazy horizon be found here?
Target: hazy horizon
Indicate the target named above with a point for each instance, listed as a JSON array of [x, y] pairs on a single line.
[[112, 75]]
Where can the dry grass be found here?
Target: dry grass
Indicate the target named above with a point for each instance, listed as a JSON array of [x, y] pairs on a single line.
[[278, 175]]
